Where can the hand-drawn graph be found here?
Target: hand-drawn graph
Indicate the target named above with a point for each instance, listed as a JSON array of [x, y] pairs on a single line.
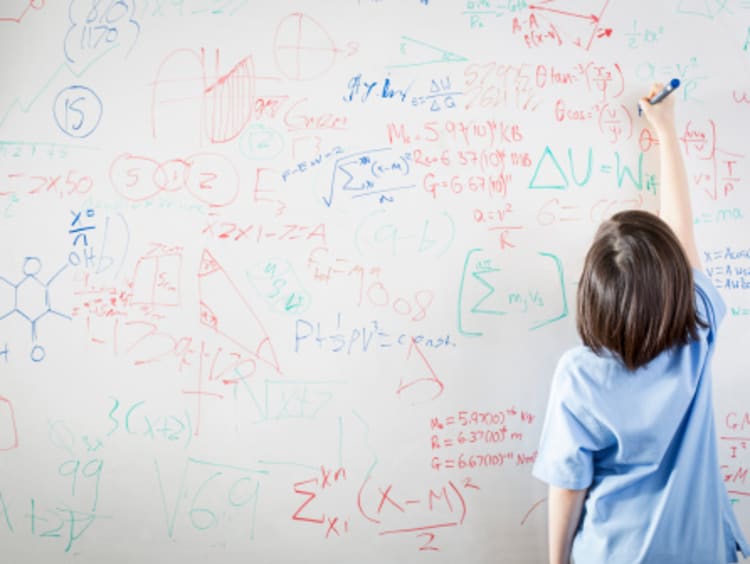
[[303, 48], [190, 84]]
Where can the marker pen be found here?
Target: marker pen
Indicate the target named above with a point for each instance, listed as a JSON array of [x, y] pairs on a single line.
[[663, 93]]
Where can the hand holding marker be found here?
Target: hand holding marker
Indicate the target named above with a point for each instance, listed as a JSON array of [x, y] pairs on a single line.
[[663, 93]]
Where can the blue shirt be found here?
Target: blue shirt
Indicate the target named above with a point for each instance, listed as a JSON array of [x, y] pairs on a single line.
[[644, 444]]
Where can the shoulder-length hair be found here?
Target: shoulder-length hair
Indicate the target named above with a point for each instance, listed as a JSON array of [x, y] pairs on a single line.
[[635, 295]]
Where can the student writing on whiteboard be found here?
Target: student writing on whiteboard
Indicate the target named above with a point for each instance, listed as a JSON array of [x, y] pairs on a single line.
[[629, 446]]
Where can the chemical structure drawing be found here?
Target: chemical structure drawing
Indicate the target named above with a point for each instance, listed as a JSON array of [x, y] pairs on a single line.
[[30, 298]]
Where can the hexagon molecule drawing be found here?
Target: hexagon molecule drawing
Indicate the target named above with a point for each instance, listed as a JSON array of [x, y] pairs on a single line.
[[30, 299]]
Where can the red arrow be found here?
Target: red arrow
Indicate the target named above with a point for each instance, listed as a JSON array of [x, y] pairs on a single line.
[[592, 17], [605, 32]]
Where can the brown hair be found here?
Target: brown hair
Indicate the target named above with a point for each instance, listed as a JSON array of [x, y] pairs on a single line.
[[635, 295]]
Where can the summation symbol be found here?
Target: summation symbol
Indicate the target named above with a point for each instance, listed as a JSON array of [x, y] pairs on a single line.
[[30, 298]]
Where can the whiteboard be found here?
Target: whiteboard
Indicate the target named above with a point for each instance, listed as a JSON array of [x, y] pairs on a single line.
[[287, 281]]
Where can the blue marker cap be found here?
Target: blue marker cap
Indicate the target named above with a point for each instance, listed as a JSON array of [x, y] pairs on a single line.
[[666, 91]]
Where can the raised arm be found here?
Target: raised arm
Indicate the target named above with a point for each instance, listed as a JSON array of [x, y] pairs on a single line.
[[674, 195]]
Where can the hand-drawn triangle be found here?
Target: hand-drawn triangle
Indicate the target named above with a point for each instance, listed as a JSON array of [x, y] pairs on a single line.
[[224, 310], [419, 53], [696, 8], [548, 174], [576, 20], [422, 382]]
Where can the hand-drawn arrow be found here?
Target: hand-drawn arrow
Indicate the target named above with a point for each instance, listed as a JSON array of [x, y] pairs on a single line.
[[593, 18]]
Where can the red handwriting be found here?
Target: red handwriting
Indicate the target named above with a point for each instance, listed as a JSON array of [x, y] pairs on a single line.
[[420, 375], [31, 4], [219, 298], [64, 184], [269, 106], [490, 216], [311, 489], [209, 177], [717, 173], [422, 515], [735, 444], [737, 421], [534, 34], [370, 288], [614, 121], [484, 159], [8, 429], [132, 320], [297, 119], [303, 48], [217, 228], [492, 185], [580, 28], [488, 133], [492, 85], [219, 104], [455, 433], [554, 211]]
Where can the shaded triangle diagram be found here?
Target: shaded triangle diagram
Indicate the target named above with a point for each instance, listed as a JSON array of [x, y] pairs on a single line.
[[224, 310]]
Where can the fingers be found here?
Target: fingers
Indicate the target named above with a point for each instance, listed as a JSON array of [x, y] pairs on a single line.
[[644, 106], [656, 87], [661, 115]]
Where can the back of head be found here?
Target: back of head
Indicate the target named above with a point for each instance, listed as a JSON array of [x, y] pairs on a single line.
[[635, 295]]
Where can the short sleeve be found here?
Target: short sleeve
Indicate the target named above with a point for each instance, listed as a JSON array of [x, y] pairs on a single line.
[[570, 435], [708, 302]]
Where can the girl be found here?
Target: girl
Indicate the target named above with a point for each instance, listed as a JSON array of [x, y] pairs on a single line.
[[629, 446]]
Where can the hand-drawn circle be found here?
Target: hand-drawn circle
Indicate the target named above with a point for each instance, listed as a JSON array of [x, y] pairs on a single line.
[[74, 259], [123, 13], [31, 266], [261, 143], [208, 518], [270, 269], [384, 296], [37, 353], [212, 179], [37, 4], [133, 177], [170, 175], [299, 302], [303, 49], [399, 309], [77, 111], [237, 497]]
